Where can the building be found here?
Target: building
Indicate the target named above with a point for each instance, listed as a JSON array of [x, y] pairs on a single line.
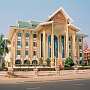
[[87, 56], [57, 38]]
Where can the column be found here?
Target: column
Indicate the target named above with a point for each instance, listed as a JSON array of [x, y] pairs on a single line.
[[31, 46], [60, 46], [74, 48], [23, 47], [13, 49], [52, 47], [40, 44], [59, 51], [67, 43], [44, 46]]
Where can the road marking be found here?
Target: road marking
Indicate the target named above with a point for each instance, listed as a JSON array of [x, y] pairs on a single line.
[[33, 88], [78, 84]]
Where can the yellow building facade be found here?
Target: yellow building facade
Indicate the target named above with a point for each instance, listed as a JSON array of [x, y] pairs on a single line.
[[55, 39]]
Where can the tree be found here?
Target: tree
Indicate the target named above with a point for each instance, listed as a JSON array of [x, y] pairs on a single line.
[[69, 62], [3, 46]]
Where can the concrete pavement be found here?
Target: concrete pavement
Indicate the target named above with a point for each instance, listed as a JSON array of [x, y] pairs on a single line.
[[44, 76]]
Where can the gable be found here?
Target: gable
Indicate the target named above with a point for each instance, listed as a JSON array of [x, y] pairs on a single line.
[[59, 18], [60, 14]]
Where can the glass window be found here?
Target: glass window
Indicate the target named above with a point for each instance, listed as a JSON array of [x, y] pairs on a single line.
[[34, 44], [70, 38], [27, 34], [27, 43], [19, 44], [70, 46], [26, 52], [19, 34], [62, 41], [18, 52], [34, 36], [70, 54], [80, 47], [80, 40], [34, 52], [80, 54]]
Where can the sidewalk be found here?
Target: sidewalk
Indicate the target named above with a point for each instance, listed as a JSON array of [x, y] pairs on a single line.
[[46, 76]]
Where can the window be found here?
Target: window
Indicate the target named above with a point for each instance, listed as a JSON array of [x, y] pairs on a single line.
[[19, 40], [18, 52], [27, 43], [18, 62], [80, 40], [34, 44], [80, 54], [70, 54], [70, 38], [34, 52], [34, 36], [80, 47], [19, 34], [70, 46], [19, 44], [27, 35], [33, 26], [26, 52]]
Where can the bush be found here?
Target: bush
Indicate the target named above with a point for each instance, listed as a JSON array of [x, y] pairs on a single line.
[[69, 62], [48, 61], [40, 61]]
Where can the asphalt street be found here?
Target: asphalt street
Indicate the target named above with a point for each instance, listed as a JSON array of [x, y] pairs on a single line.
[[56, 85]]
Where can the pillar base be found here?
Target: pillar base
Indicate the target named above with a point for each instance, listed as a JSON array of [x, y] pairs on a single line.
[[44, 62], [52, 62], [59, 63]]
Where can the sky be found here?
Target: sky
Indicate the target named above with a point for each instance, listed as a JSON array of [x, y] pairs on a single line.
[[13, 10]]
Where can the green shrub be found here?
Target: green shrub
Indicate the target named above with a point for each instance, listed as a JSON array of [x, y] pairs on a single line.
[[69, 62], [40, 61], [48, 61]]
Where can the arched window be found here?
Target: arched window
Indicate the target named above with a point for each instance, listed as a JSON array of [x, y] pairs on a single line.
[[34, 62], [26, 62], [18, 61], [55, 46], [49, 46]]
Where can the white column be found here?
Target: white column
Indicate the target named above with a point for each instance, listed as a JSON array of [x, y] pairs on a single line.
[[40, 45], [74, 47], [58, 47], [67, 43], [44, 46], [52, 47]]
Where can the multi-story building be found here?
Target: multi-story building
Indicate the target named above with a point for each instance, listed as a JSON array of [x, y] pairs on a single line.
[[56, 38], [87, 56]]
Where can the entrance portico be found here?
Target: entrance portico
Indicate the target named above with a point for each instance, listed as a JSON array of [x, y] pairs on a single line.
[[56, 35]]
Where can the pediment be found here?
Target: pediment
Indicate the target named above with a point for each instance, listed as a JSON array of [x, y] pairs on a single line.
[[59, 16]]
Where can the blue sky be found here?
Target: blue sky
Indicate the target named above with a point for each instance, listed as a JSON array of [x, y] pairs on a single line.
[[13, 10]]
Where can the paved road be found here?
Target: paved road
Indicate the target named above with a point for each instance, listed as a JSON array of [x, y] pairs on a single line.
[[60, 85]]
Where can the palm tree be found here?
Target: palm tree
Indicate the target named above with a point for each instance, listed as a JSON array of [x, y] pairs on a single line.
[[3, 46]]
